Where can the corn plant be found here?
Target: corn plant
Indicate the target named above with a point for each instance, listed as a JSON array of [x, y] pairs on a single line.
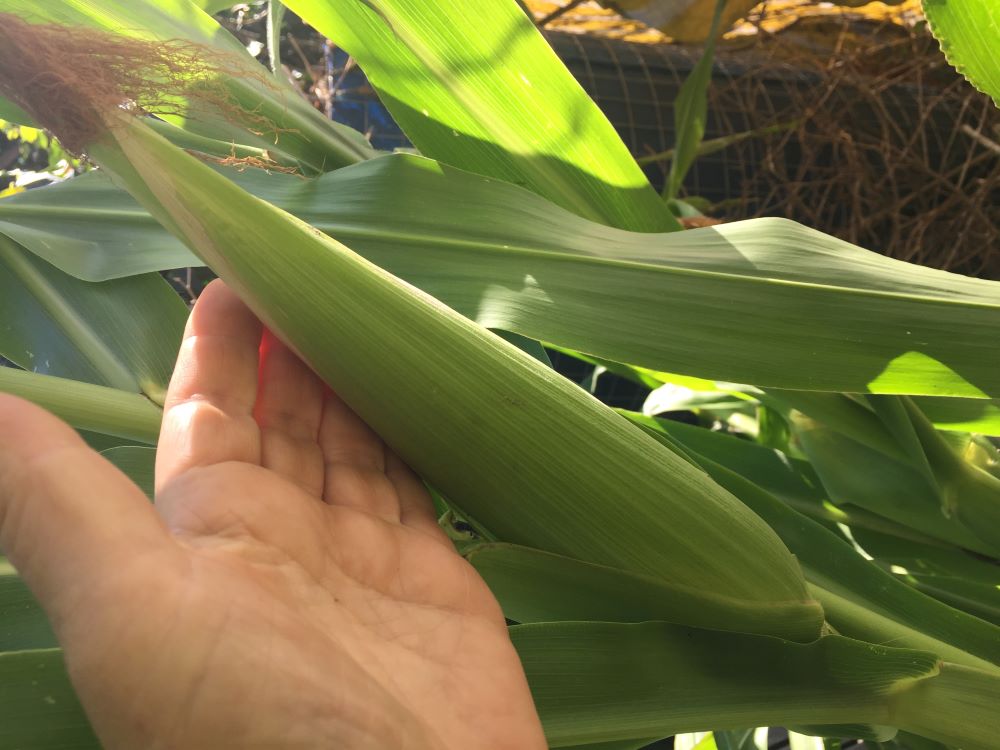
[[664, 578]]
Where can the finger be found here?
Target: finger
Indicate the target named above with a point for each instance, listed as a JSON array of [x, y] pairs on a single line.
[[208, 413], [354, 459], [416, 508], [288, 411], [69, 520]]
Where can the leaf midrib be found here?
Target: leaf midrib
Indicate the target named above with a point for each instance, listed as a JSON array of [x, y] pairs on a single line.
[[344, 231]]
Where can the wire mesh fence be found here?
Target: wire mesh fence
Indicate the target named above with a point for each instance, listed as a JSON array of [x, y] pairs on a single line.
[[879, 143]]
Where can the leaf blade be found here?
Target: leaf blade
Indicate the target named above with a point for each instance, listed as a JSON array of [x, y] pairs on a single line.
[[499, 103], [123, 334], [968, 32], [816, 313], [597, 682]]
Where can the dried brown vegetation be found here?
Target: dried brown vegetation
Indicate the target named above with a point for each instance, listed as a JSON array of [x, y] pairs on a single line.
[[893, 151]]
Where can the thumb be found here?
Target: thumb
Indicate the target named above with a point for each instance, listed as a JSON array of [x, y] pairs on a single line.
[[68, 518]]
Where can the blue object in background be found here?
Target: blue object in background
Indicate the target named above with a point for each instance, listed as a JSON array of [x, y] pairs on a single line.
[[355, 104]]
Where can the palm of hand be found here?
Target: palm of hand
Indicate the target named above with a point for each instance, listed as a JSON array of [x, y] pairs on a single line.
[[304, 595]]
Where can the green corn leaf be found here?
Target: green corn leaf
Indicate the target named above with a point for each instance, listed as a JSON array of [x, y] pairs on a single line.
[[978, 599], [691, 110], [282, 122], [950, 575], [910, 557], [815, 312], [136, 462], [969, 493], [275, 17], [549, 487], [617, 745], [837, 732], [845, 414], [789, 479], [908, 741], [23, 625], [597, 683], [526, 345], [894, 415], [857, 420], [860, 599], [957, 707], [962, 414], [222, 150], [858, 618], [213, 6], [536, 586], [38, 708], [13, 113], [605, 681], [773, 430], [100, 442], [854, 418], [739, 739], [898, 491], [891, 488], [123, 333], [86, 406], [91, 229], [695, 741], [968, 32], [498, 103]]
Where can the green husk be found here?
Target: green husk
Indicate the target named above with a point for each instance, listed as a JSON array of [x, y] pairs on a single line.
[[467, 415], [509, 442]]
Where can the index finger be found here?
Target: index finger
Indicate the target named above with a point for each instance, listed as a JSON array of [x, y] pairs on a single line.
[[208, 412]]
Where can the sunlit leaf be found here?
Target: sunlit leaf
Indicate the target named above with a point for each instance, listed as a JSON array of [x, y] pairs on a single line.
[[499, 103], [604, 681], [814, 312], [691, 109], [968, 31]]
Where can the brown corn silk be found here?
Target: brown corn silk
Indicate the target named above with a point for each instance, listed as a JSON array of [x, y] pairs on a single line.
[[68, 78]]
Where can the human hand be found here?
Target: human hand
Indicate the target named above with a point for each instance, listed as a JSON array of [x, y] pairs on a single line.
[[291, 588]]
